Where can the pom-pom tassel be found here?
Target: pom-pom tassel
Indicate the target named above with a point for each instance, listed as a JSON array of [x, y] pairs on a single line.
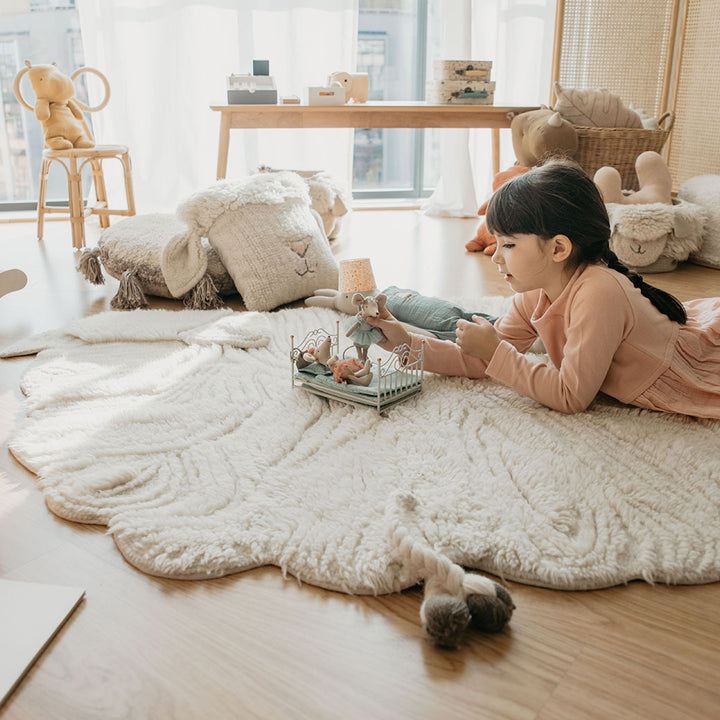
[[89, 266], [129, 295], [204, 296]]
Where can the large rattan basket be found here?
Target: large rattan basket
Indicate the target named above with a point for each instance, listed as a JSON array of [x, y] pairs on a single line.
[[619, 147]]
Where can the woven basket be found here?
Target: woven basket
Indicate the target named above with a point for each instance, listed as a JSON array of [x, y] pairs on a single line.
[[619, 148]]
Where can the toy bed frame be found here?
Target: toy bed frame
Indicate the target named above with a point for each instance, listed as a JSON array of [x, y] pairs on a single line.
[[395, 379]]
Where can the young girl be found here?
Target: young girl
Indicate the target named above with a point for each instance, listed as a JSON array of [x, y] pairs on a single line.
[[604, 328]]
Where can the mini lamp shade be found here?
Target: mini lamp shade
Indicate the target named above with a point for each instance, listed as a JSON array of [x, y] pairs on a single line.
[[356, 276]]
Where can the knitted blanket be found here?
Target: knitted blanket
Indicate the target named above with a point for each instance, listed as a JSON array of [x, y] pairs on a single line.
[[202, 460]]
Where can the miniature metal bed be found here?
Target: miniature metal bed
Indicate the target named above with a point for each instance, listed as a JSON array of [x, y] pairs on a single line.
[[395, 378]]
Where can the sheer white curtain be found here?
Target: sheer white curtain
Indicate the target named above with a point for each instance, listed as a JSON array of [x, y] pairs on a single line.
[[167, 62], [517, 35]]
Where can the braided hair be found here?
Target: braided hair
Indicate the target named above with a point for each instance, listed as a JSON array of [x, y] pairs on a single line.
[[559, 198]]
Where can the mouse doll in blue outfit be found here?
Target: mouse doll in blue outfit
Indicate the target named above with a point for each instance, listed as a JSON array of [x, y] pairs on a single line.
[[358, 329]]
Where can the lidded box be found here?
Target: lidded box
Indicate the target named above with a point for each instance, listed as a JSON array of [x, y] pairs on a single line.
[[461, 82], [460, 92], [462, 69]]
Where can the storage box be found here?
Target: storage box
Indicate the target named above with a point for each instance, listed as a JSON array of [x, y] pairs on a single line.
[[462, 69], [326, 95], [460, 92], [251, 90]]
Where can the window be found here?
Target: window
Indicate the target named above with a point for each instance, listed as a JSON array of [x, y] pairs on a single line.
[[40, 31], [392, 49]]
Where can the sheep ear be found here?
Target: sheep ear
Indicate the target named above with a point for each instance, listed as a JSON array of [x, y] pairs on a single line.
[[183, 263], [357, 298], [685, 224], [339, 208]]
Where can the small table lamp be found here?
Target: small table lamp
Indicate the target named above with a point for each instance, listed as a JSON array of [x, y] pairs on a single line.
[[356, 276]]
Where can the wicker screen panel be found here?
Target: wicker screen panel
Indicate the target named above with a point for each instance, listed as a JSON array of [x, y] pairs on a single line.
[[694, 145], [619, 45]]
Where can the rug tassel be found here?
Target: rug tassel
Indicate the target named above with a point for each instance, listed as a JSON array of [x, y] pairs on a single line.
[[89, 266], [454, 599], [129, 295], [204, 296]]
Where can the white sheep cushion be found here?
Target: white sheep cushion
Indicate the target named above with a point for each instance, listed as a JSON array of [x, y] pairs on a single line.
[[704, 190], [268, 238], [654, 237]]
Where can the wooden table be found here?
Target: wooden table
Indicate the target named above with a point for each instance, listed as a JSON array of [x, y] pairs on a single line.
[[363, 115]]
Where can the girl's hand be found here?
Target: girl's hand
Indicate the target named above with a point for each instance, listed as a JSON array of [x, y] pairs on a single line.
[[395, 333], [477, 338]]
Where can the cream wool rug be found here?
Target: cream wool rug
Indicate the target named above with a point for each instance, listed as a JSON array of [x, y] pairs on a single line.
[[180, 431]]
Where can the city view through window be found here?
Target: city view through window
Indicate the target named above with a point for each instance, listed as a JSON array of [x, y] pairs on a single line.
[[387, 163]]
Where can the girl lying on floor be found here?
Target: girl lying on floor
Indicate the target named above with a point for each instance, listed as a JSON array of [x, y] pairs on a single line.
[[604, 328]]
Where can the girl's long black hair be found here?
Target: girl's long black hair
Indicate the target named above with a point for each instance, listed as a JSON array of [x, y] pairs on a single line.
[[558, 198]]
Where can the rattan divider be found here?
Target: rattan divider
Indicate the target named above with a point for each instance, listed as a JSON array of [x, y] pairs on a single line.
[[694, 146], [627, 48]]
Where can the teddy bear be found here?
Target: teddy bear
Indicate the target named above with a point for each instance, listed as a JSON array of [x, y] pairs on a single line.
[[56, 107], [539, 134], [536, 136], [327, 198], [651, 232]]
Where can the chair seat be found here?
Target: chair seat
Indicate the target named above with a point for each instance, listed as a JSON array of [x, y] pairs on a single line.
[[97, 151]]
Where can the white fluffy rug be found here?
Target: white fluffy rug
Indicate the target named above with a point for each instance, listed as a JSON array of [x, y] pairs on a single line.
[[203, 461]]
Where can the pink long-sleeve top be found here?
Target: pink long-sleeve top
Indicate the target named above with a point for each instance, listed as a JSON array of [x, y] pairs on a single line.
[[601, 334]]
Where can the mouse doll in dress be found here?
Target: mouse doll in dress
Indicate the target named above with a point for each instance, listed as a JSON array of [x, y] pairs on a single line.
[[358, 329]]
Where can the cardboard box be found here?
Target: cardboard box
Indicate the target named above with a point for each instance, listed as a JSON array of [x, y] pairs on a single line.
[[326, 95]]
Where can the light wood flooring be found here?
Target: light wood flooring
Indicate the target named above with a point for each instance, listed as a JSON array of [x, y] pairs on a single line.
[[255, 645]]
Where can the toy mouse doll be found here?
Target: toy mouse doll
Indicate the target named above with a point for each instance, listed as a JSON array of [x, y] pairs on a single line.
[[358, 329]]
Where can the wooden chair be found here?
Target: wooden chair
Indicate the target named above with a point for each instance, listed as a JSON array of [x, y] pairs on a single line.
[[74, 161]]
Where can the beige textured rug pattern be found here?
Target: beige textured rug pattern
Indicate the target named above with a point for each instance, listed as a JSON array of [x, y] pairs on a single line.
[[203, 461]]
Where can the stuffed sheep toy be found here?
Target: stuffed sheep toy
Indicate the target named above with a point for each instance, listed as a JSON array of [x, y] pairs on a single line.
[[651, 232]]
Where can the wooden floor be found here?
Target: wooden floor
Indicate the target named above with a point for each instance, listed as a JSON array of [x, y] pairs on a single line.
[[258, 646]]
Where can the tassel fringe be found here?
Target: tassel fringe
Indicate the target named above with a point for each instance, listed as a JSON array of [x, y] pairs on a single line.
[[204, 296], [130, 295], [89, 266]]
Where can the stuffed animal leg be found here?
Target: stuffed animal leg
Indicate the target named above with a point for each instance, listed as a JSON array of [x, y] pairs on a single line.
[[654, 180], [454, 600]]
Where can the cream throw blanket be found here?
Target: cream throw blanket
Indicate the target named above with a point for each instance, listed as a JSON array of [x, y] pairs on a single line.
[[203, 461]]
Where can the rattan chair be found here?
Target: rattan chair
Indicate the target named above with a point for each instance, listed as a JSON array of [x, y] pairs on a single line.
[[74, 161]]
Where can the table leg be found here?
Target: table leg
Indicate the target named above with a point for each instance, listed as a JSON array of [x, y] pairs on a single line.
[[496, 150], [223, 145]]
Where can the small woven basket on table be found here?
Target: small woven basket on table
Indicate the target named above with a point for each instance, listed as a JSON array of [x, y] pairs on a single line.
[[619, 147]]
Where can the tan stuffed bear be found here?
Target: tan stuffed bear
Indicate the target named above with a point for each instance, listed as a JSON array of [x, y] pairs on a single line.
[[653, 178], [539, 134], [57, 109]]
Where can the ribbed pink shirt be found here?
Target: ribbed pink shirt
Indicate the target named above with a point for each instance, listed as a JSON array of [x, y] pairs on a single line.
[[601, 334]]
